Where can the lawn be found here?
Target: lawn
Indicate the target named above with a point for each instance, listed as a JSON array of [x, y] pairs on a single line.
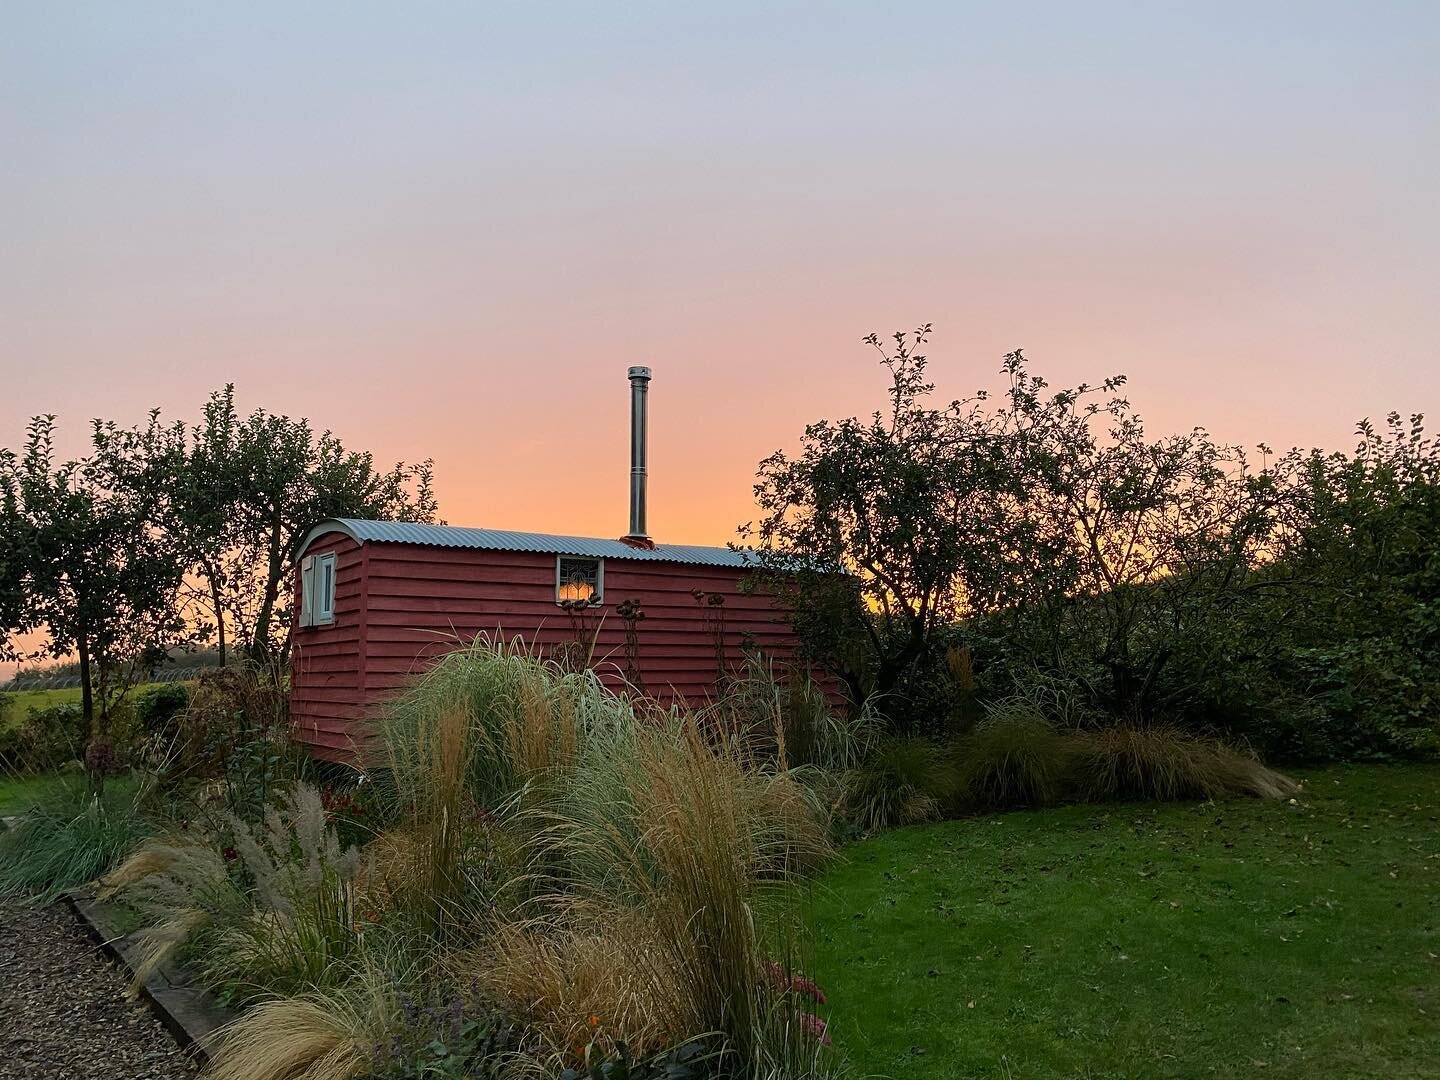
[[1241, 939], [20, 793]]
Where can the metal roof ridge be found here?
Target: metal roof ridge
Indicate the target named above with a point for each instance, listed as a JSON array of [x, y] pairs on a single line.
[[367, 530]]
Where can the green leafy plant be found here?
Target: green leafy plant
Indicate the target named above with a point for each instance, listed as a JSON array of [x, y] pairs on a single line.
[[46, 740], [447, 1040], [693, 1060], [158, 708], [70, 838]]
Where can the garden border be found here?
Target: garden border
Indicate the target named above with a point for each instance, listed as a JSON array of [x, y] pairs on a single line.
[[190, 1013]]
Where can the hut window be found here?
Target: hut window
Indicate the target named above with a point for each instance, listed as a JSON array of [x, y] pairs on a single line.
[[317, 590], [579, 579]]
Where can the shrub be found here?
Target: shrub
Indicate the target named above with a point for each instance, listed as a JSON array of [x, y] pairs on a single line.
[[235, 729], [904, 782], [68, 840], [1166, 763], [158, 709], [1013, 757]]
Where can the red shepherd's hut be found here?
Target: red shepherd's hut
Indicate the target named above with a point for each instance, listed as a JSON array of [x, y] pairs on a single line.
[[376, 601]]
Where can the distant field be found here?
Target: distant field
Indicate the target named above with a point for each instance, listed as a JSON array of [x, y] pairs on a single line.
[[18, 703]]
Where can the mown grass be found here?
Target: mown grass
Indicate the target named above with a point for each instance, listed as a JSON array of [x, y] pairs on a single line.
[[20, 793], [1243, 938]]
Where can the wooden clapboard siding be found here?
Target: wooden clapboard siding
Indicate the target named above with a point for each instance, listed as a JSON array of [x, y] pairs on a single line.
[[399, 606], [327, 671]]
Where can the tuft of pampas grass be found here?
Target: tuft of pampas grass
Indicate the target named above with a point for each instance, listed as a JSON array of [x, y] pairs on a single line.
[[667, 852], [904, 782], [283, 923]]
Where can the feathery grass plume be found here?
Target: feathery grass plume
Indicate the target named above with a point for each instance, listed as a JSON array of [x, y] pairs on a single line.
[[158, 942], [446, 884], [183, 888], [647, 854], [1166, 763], [303, 921], [314, 1036], [439, 867], [525, 722], [267, 908], [903, 782], [603, 979], [1014, 757], [295, 851]]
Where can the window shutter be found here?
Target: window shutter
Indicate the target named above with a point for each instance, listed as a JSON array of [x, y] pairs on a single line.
[[307, 591]]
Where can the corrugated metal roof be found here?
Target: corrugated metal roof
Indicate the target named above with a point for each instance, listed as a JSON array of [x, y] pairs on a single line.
[[454, 536]]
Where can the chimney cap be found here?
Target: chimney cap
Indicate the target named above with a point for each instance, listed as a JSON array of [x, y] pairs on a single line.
[[639, 373]]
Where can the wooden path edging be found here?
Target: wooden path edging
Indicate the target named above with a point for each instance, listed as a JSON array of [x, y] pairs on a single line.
[[189, 1013]]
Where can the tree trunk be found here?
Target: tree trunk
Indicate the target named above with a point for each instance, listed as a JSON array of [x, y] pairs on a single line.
[[260, 644], [219, 614], [87, 696], [93, 735]]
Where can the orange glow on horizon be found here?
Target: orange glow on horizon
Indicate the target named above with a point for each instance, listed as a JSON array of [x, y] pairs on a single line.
[[450, 237]]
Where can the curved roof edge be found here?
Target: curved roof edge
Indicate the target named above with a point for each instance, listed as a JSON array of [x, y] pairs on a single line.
[[454, 536]]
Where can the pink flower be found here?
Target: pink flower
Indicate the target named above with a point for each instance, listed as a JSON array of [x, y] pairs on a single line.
[[789, 982], [813, 1026]]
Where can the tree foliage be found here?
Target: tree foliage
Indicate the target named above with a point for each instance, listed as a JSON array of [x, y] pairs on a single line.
[[885, 529], [167, 535], [243, 496], [97, 572], [1113, 574]]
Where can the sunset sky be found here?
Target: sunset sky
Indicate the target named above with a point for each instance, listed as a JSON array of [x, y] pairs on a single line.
[[446, 230]]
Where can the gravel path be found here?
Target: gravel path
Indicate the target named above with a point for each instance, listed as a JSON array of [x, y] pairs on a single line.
[[63, 1010]]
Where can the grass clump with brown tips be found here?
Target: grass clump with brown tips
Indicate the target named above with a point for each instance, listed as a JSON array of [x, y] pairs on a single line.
[[598, 880]]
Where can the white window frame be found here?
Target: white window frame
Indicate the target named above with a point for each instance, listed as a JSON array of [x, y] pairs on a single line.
[[317, 604], [325, 598], [599, 597]]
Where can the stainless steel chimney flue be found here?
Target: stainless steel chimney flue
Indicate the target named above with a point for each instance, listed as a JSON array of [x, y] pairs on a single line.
[[639, 393]]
